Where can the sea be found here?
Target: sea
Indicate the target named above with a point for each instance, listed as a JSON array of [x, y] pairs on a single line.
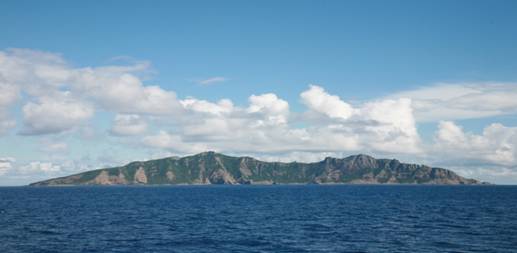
[[248, 218]]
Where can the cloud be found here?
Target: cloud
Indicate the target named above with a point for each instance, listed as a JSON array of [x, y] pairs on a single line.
[[39, 167], [128, 124], [6, 164], [9, 94], [462, 101], [51, 84], [9, 169], [203, 106], [34, 72], [395, 129], [213, 80], [168, 141], [24, 172], [54, 115], [496, 145], [488, 173], [273, 109], [318, 100], [116, 89], [265, 126], [62, 97]]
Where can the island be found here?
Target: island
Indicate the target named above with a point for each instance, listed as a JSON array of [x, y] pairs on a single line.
[[215, 168]]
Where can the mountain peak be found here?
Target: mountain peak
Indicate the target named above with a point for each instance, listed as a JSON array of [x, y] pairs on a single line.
[[209, 153], [363, 156]]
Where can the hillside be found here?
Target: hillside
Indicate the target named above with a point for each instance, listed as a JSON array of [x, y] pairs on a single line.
[[215, 168]]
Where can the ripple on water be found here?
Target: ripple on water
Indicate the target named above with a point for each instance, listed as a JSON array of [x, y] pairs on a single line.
[[259, 219]]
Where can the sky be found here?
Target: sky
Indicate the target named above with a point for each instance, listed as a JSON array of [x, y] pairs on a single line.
[[87, 85]]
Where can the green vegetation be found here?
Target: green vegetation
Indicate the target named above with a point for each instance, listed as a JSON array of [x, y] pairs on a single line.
[[214, 168]]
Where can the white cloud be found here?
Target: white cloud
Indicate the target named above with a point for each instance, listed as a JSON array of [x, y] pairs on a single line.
[[6, 164], [264, 127], [451, 134], [273, 109], [39, 167], [128, 124], [212, 80], [318, 100], [203, 106], [45, 77], [496, 145], [35, 72], [394, 127], [54, 115], [462, 101], [168, 141], [117, 90], [488, 173], [24, 172], [8, 95]]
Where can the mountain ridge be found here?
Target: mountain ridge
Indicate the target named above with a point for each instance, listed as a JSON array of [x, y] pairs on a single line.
[[215, 168]]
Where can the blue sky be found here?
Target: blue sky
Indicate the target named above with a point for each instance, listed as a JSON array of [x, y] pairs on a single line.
[[362, 52]]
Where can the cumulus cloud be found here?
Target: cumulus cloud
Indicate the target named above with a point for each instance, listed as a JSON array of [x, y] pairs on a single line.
[[39, 167], [384, 125], [54, 115], [395, 129], [497, 144], [203, 106], [488, 173], [490, 155], [318, 100], [35, 72], [128, 124], [6, 164], [9, 93], [165, 140], [462, 101], [46, 79], [273, 109], [264, 126], [119, 90]]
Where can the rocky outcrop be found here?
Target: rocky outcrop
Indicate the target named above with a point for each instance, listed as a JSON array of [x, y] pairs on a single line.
[[140, 177], [214, 168]]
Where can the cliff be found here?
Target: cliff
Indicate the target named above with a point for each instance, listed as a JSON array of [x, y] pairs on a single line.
[[214, 168]]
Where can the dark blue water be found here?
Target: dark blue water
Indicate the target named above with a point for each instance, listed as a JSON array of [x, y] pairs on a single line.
[[259, 219]]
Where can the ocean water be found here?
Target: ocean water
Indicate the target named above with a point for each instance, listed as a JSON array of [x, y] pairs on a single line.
[[309, 218]]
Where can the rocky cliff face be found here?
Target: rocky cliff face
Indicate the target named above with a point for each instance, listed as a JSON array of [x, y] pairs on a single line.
[[214, 168]]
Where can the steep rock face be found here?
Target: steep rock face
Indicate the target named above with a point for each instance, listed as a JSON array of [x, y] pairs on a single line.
[[214, 168], [140, 177]]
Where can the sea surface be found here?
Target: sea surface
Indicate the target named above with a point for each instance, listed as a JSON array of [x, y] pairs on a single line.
[[299, 218]]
